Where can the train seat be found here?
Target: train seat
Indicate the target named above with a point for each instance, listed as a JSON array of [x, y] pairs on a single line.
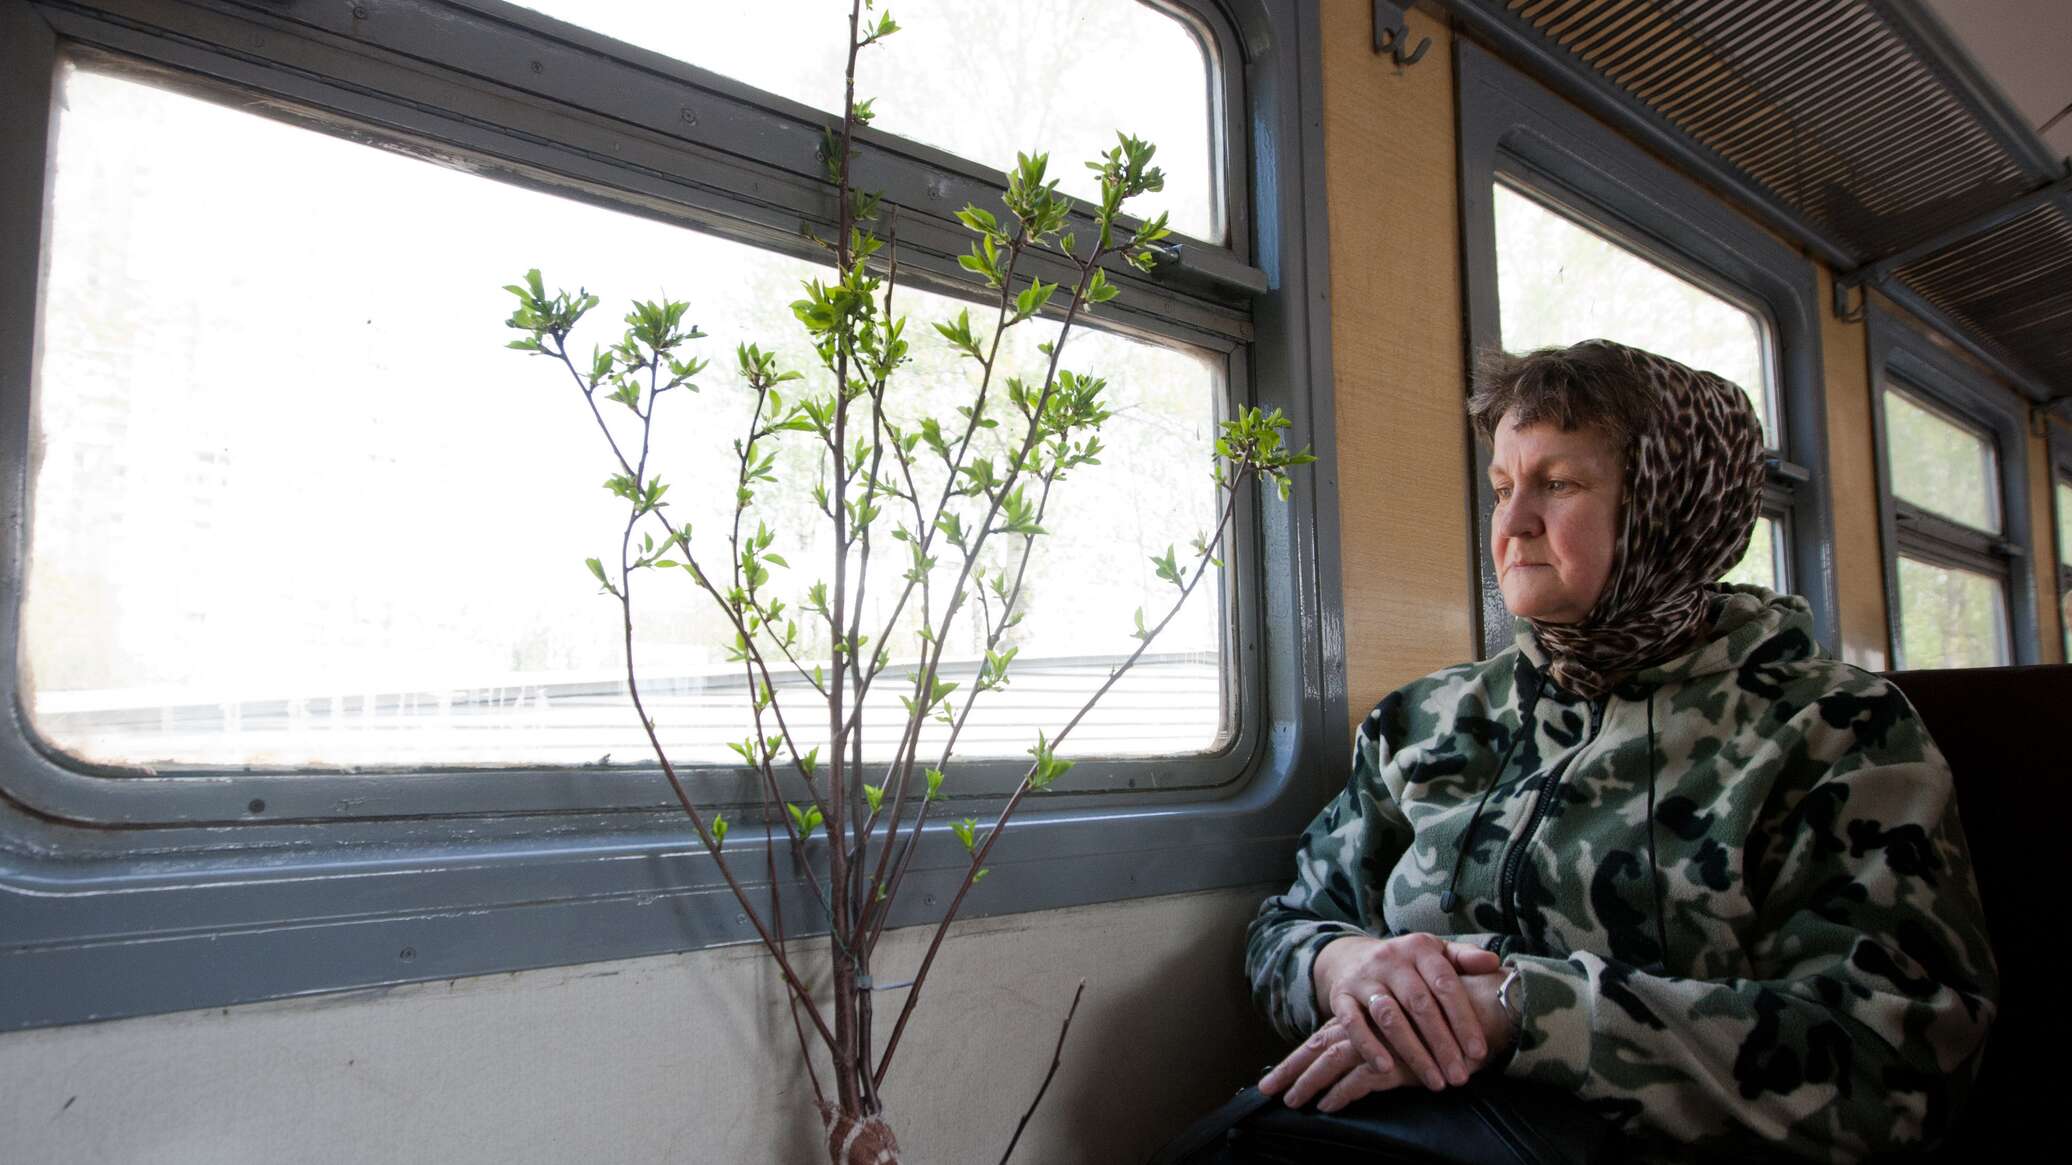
[[2002, 731]]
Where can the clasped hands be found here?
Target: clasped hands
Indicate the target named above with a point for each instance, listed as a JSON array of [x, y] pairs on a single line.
[[1410, 1009]]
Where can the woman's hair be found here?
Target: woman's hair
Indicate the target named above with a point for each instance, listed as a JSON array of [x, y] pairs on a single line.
[[1591, 383]]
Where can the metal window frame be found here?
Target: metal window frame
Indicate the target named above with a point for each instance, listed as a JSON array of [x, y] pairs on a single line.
[[1513, 127], [2058, 442], [1905, 359], [132, 896]]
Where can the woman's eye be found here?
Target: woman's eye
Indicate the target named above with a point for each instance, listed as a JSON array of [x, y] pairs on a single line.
[[1503, 493]]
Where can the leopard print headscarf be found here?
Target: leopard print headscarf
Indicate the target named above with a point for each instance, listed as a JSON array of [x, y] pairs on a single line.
[[1694, 484]]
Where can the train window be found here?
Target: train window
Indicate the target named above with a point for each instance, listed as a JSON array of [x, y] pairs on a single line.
[[1944, 469], [328, 583], [305, 648], [1950, 616], [1941, 464], [1952, 453], [1572, 232], [1762, 565], [1561, 280], [791, 48]]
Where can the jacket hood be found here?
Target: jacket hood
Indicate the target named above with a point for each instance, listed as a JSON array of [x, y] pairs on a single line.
[[1747, 624]]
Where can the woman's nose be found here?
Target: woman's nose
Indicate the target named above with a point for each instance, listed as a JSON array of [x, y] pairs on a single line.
[[1519, 518]]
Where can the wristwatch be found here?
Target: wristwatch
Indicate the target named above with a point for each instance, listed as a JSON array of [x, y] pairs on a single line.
[[1512, 1007]]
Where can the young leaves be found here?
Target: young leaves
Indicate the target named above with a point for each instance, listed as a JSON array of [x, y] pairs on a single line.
[[1168, 569], [1032, 299], [545, 318], [967, 832], [958, 333], [804, 819], [1251, 442], [1098, 289], [984, 259], [1049, 766]]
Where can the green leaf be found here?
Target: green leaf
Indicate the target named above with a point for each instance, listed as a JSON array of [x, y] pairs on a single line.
[[1049, 766], [805, 819], [1168, 569], [934, 783], [596, 568], [875, 795], [967, 832], [1032, 299], [1099, 290], [719, 831], [979, 219]]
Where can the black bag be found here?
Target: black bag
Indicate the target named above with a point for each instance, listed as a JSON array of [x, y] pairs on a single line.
[[1487, 1122]]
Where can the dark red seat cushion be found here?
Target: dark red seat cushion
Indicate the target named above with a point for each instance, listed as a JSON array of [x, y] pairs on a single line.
[[2005, 733]]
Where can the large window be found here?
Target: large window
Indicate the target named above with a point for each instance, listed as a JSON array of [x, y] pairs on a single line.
[[299, 381], [1572, 233], [1951, 464], [301, 584], [1561, 280]]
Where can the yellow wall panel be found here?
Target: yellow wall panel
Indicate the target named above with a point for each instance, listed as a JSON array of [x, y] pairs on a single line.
[[1852, 477], [2044, 542], [1391, 181]]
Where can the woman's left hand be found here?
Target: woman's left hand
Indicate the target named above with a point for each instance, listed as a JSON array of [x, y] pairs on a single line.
[[1327, 1064]]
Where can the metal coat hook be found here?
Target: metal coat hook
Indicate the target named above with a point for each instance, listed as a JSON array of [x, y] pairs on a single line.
[[1392, 33]]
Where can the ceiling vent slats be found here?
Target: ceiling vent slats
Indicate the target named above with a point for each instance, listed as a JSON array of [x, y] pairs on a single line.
[[1849, 115]]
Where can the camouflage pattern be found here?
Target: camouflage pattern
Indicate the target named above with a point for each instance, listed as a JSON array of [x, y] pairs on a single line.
[[1827, 985]]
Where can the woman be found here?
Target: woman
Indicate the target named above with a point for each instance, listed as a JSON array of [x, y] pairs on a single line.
[[1662, 853]]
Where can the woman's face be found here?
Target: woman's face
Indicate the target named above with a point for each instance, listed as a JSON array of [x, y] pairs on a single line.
[[1557, 518]]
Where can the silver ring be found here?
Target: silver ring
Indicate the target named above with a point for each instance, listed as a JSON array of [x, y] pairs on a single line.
[[1374, 999]]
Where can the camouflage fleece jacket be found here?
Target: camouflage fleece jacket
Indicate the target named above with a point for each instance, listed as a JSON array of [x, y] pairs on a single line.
[[1827, 984]]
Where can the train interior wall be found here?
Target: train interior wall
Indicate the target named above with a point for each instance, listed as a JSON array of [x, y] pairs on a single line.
[[690, 1058]]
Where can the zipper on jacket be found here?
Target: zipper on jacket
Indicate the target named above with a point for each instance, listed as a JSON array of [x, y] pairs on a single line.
[[1507, 880]]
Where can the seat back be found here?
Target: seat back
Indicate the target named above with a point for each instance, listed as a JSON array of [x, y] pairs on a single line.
[[2002, 730]]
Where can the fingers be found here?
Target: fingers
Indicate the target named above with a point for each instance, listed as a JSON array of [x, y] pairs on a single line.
[[1473, 960], [1459, 1010], [1359, 1027], [1393, 1016], [1292, 1066], [1356, 1084], [1329, 1065], [1404, 1011], [1335, 1063]]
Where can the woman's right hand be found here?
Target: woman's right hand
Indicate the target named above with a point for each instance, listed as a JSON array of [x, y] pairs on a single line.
[[1401, 999]]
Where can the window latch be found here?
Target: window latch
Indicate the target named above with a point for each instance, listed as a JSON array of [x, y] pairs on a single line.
[[1786, 472]]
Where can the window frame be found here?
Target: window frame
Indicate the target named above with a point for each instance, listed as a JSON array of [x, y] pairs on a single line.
[[148, 894], [1514, 129], [1905, 359]]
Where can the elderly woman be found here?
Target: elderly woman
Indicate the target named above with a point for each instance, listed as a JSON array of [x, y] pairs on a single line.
[[1662, 853]]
